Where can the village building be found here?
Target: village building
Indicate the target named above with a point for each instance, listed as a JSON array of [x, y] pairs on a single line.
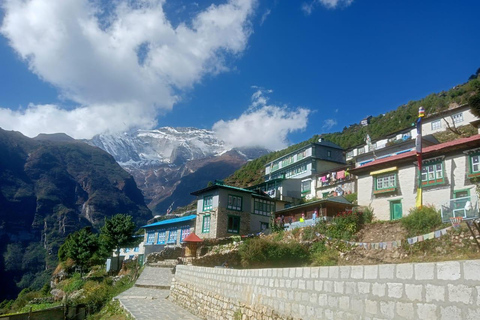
[[167, 233], [224, 210], [448, 180], [303, 165], [338, 182]]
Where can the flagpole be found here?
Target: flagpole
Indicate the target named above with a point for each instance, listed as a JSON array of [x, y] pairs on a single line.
[[418, 145]]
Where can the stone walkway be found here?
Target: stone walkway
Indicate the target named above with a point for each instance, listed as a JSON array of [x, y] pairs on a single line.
[[147, 300]]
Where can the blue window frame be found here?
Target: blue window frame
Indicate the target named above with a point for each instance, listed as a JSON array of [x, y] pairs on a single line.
[[150, 237], [161, 236], [172, 235]]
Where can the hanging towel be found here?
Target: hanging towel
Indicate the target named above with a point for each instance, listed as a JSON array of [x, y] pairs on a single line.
[[324, 179], [341, 174]]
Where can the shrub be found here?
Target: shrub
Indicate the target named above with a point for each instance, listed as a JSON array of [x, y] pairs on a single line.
[[321, 255], [352, 197], [260, 252], [368, 215], [343, 226], [421, 220]]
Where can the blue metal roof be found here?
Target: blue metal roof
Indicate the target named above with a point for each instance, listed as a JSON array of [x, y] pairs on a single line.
[[170, 221]]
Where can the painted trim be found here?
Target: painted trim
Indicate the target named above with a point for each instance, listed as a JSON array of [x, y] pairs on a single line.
[[209, 224], [383, 171]]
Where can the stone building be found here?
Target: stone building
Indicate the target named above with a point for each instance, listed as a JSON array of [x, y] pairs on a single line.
[[224, 211]]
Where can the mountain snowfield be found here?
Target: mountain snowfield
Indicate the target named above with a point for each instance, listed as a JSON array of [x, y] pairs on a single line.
[[161, 159], [165, 145]]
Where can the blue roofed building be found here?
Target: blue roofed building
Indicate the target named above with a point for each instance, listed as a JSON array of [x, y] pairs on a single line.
[[171, 232]]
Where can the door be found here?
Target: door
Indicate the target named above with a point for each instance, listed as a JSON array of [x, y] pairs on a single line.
[[395, 209]]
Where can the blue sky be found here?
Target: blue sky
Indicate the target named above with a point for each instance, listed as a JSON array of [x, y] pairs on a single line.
[[266, 73]]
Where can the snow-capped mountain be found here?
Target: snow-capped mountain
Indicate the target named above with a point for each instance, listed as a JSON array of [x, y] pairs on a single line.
[[169, 163], [162, 146]]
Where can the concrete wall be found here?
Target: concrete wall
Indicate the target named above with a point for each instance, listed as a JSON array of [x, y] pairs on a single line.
[[443, 290]]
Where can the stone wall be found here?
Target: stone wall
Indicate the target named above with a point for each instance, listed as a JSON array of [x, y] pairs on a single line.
[[442, 290]]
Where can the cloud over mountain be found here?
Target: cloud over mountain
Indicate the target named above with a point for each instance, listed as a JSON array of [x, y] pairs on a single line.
[[123, 64]]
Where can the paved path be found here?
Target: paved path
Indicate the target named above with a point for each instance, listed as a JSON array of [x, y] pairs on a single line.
[[147, 299]]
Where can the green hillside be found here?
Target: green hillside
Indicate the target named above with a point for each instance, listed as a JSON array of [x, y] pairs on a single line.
[[404, 116]]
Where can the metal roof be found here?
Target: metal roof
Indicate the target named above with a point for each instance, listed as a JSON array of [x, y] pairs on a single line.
[[171, 221], [338, 200]]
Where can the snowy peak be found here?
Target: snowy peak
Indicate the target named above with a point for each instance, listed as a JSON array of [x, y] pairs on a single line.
[[165, 145]]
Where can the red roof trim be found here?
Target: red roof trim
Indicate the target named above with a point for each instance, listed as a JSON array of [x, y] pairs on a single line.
[[437, 147]]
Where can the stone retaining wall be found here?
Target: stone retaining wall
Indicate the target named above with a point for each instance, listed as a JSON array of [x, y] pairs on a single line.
[[442, 290]]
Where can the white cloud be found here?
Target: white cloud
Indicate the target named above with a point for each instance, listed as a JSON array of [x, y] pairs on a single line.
[[127, 65], [330, 4], [262, 125], [329, 124], [265, 15]]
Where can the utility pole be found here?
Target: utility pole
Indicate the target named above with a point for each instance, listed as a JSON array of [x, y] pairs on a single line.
[[418, 147]]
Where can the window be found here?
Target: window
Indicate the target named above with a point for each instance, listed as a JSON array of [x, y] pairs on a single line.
[[305, 186], [127, 250], [161, 237], [185, 233], [474, 160], [233, 224], [136, 249], [207, 203], [329, 154], [263, 207], [263, 226], [432, 173], [275, 166], [350, 154], [150, 237], [206, 224], [234, 203], [296, 170], [457, 118], [172, 235], [436, 125], [361, 150], [385, 183], [301, 155]]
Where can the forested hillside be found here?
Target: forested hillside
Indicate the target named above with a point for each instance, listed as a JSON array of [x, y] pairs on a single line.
[[381, 125]]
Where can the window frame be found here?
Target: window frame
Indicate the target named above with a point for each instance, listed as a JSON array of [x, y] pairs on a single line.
[[204, 230], [457, 117], [389, 188], [150, 237], [435, 179], [471, 172], [263, 207], [436, 125], [232, 206], [172, 235], [234, 218], [164, 233], [184, 232], [205, 206], [305, 182]]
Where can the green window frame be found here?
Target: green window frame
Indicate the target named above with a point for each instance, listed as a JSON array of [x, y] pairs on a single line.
[[474, 165], [207, 203], [206, 223], [233, 224], [385, 183], [263, 207], [432, 173], [234, 202], [305, 186]]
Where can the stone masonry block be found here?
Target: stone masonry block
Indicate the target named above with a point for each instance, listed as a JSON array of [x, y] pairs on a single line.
[[333, 302], [395, 290], [298, 272], [301, 284], [387, 309], [291, 273], [471, 270], [371, 307], [371, 272], [460, 293], [450, 313], [414, 291], [357, 305], [478, 295], [448, 270], [434, 293], [345, 272], [344, 302], [405, 310], [386, 271], [323, 272], [473, 314], [322, 299], [350, 288], [333, 272], [405, 271], [328, 286], [314, 273], [339, 287], [318, 285], [357, 272], [424, 271], [426, 311], [310, 284], [307, 272], [378, 289], [363, 287]]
